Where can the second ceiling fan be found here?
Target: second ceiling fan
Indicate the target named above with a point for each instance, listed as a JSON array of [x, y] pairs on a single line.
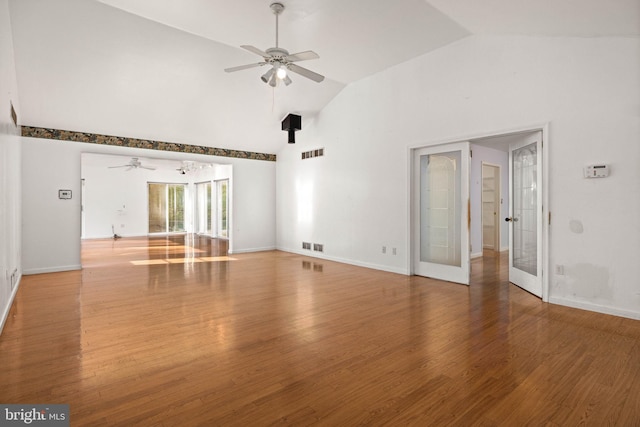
[[280, 60]]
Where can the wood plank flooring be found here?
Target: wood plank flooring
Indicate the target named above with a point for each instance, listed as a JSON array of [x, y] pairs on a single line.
[[175, 332]]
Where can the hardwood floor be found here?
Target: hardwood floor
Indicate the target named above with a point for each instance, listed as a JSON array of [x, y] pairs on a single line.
[[175, 332]]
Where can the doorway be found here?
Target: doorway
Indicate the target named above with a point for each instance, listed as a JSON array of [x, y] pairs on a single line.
[[503, 207], [490, 202]]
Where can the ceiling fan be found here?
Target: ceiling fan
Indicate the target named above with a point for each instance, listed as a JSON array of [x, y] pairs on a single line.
[[133, 164], [280, 59]]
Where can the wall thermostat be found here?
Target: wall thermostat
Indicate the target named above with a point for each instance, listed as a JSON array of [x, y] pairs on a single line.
[[64, 194], [596, 171]]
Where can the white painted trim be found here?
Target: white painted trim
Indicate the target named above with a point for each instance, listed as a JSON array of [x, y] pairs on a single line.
[[545, 213], [476, 255], [52, 269], [320, 255], [7, 309], [583, 305], [410, 186], [481, 135]]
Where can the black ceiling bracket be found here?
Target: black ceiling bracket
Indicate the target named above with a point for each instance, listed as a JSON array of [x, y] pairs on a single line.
[[291, 124]]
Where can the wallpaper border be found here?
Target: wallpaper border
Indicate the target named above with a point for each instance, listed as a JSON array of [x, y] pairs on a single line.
[[92, 138]]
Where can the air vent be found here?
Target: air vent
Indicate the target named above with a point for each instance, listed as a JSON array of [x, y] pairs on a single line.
[[313, 153], [318, 247], [306, 245]]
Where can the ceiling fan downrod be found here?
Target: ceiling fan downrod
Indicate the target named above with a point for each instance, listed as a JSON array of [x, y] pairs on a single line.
[[277, 9]]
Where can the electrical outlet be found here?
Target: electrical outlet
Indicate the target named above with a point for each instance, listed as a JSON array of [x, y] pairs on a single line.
[[560, 270], [384, 249], [394, 251]]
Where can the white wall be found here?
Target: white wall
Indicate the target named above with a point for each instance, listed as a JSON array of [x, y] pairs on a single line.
[[52, 227], [587, 89], [10, 226]]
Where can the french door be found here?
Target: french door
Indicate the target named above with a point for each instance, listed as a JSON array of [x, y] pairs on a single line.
[[204, 222], [222, 208], [441, 212], [525, 214], [166, 207]]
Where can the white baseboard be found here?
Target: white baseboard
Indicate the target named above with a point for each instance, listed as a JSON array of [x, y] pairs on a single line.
[[7, 308], [58, 269], [476, 255], [248, 250], [598, 308], [320, 255]]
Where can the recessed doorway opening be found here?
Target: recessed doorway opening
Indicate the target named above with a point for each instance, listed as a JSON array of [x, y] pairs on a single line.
[[503, 216]]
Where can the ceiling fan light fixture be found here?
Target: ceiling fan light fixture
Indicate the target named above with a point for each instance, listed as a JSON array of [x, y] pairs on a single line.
[[287, 81], [266, 76], [281, 73], [273, 81]]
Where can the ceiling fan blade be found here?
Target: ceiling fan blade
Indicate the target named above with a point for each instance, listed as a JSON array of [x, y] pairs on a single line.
[[244, 67], [114, 167], [147, 167], [305, 73], [255, 50], [302, 56]]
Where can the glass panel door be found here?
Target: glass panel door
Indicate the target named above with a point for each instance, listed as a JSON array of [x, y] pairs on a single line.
[[525, 249], [175, 193], [525, 242], [222, 208], [166, 207], [204, 223], [441, 201], [157, 208]]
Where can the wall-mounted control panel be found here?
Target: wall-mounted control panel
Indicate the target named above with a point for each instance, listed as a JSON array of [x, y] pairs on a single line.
[[596, 171]]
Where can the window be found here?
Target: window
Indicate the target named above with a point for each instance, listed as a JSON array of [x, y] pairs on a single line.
[[166, 208], [203, 208], [222, 208]]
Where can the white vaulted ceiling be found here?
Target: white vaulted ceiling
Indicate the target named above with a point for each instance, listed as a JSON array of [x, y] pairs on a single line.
[[153, 69]]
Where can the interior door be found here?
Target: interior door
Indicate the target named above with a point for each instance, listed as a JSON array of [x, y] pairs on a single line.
[[441, 212], [222, 208], [525, 214]]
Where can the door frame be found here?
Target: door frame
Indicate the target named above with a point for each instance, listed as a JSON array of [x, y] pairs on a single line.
[[412, 233]]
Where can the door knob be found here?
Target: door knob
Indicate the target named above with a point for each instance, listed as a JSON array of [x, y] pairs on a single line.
[[508, 219]]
